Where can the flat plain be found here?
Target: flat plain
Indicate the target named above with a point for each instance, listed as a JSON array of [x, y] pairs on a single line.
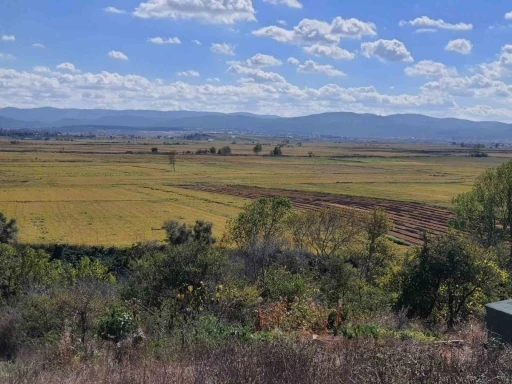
[[116, 192]]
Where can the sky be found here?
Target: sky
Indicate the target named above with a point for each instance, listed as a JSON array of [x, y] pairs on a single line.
[[443, 58]]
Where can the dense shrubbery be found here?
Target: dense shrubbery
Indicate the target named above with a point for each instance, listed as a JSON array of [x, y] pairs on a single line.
[[277, 274]]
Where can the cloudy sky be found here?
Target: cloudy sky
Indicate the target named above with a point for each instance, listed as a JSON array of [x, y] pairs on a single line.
[[285, 57]]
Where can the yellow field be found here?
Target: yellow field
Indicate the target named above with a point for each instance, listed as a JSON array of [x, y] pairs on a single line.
[[93, 192]]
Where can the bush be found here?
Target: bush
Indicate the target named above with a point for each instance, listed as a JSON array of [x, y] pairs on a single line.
[[278, 282], [225, 151], [9, 338], [115, 326]]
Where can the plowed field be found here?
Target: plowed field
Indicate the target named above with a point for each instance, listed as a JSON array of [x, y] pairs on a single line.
[[410, 219]]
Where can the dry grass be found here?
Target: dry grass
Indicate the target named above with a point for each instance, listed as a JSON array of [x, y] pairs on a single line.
[[92, 192], [357, 361]]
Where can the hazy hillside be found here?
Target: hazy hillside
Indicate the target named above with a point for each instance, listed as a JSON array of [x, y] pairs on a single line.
[[335, 123]]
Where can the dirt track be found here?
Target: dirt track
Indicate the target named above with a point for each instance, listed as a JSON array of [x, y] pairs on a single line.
[[410, 219]]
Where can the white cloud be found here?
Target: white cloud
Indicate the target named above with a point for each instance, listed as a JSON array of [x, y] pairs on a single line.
[[430, 68], [256, 74], [293, 61], [38, 45], [117, 55], [282, 22], [462, 46], [6, 56], [502, 67], [8, 38], [508, 16], [114, 10], [208, 11], [426, 30], [482, 112], [288, 3], [213, 80], [386, 51], [311, 67], [261, 60], [477, 86], [40, 69], [311, 31], [69, 67], [223, 49], [189, 73], [196, 42], [427, 22], [162, 41], [329, 51], [267, 93]]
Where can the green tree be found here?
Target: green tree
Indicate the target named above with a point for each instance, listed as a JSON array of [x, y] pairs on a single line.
[[93, 270], [8, 229], [277, 151], [257, 149], [326, 232], [21, 268], [178, 234], [172, 159], [261, 220], [376, 225], [225, 151], [164, 274], [482, 211], [449, 277]]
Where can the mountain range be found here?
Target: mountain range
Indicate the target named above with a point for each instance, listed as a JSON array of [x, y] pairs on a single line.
[[340, 124]]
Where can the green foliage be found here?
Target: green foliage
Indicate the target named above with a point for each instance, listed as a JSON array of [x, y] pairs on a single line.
[[257, 149], [178, 234], [225, 151], [260, 220], [278, 283], [21, 268], [449, 278], [172, 271], [326, 232], [41, 318], [8, 229], [116, 325], [481, 211], [93, 270], [277, 151]]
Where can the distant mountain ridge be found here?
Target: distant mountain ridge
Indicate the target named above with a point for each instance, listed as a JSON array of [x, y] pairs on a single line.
[[341, 124]]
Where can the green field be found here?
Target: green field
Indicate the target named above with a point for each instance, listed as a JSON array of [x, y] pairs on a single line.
[[94, 192]]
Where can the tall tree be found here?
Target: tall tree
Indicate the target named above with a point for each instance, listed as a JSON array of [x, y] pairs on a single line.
[[486, 211], [448, 275], [260, 220], [326, 231], [172, 159]]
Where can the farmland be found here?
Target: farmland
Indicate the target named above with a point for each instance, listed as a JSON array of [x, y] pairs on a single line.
[[116, 192]]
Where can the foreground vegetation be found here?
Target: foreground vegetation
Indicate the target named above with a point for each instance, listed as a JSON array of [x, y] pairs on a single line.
[[284, 296]]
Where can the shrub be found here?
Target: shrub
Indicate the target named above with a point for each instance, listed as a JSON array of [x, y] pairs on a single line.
[[116, 325], [278, 282], [9, 338], [225, 151]]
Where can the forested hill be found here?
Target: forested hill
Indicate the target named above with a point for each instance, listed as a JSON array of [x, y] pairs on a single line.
[[335, 123]]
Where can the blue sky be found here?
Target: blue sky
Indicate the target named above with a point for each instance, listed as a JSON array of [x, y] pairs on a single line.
[[286, 57]]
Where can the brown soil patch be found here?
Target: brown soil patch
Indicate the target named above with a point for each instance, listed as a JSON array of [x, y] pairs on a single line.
[[410, 219]]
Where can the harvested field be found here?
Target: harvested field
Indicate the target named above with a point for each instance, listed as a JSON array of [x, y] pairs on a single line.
[[410, 219]]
